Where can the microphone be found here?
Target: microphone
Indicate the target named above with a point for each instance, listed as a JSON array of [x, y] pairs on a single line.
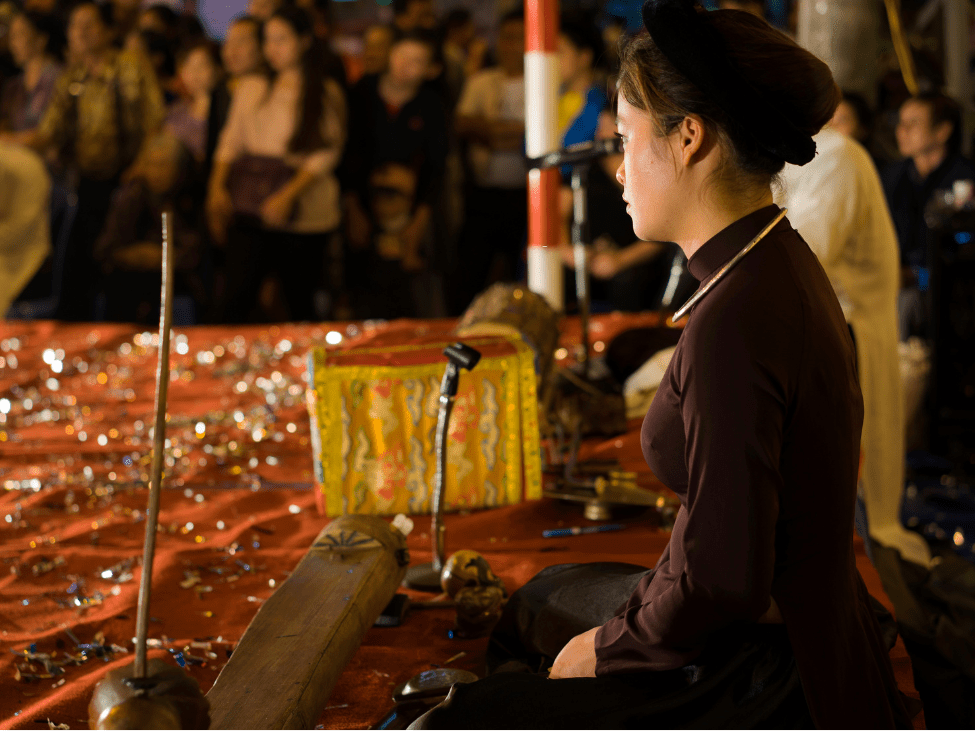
[[575, 154]]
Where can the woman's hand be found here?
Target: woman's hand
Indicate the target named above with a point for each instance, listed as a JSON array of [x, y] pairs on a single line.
[[276, 209], [578, 657], [219, 210]]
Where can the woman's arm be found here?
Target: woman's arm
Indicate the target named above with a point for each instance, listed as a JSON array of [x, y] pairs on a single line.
[[230, 145]]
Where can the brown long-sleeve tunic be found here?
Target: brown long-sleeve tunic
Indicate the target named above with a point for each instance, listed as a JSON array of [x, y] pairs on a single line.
[[756, 427]]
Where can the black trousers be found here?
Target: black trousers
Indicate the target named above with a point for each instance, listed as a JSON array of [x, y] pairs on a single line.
[[747, 679], [253, 253], [76, 301]]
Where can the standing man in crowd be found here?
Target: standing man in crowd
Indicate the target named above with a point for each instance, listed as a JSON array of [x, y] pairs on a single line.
[[397, 149], [490, 118], [929, 138]]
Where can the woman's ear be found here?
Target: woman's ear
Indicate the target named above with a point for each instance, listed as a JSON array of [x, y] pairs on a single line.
[[691, 137]]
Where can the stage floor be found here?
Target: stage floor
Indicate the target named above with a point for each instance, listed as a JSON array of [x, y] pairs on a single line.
[[75, 413]]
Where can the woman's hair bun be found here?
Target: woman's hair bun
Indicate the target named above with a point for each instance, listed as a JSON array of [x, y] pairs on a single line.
[[765, 91]]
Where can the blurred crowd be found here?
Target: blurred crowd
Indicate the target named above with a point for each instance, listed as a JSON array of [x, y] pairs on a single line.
[[307, 183]]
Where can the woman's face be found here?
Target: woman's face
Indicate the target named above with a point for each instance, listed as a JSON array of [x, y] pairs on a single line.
[[649, 174], [25, 42], [241, 51], [198, 73], [282, 46]]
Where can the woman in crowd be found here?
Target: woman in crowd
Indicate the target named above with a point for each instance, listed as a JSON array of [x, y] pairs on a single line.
[[273, 196], [241, 56], [198, 71], [25, 97], [755, 615]]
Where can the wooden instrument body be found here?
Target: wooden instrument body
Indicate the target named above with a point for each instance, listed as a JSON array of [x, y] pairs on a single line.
[[289, 659]]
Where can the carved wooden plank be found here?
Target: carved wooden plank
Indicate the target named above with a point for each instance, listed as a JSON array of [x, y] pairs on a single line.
[[295, 648]]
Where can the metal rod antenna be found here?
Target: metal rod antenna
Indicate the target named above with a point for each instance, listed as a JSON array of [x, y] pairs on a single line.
[[158, 446]]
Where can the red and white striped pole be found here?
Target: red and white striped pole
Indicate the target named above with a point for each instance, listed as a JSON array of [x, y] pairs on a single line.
[[541, 138]]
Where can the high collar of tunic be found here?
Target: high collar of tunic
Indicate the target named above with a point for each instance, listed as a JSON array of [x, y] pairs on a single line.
[[718, 250]]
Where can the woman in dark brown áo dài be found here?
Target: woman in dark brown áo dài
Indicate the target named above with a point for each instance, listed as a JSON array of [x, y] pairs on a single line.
[[755, 615]]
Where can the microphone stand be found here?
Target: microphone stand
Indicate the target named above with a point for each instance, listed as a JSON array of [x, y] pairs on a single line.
[[580, 157], [426, 577]]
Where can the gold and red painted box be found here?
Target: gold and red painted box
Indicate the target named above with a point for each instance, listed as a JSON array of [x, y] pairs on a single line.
[[374, 410]]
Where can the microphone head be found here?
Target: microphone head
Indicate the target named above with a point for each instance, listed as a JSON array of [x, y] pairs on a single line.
[[462, 356]]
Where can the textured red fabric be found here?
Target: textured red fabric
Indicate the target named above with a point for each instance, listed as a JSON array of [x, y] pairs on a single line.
[[86, 522]]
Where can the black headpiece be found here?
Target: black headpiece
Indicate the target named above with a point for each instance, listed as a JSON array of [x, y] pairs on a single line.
[[683, 33]]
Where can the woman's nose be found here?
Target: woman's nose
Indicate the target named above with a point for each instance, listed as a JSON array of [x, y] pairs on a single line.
[[620, 177]]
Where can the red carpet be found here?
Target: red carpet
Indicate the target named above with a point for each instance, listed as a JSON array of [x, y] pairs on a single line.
[[239, 518]]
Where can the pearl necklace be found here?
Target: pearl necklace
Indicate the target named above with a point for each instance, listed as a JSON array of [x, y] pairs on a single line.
[[724, 270]]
